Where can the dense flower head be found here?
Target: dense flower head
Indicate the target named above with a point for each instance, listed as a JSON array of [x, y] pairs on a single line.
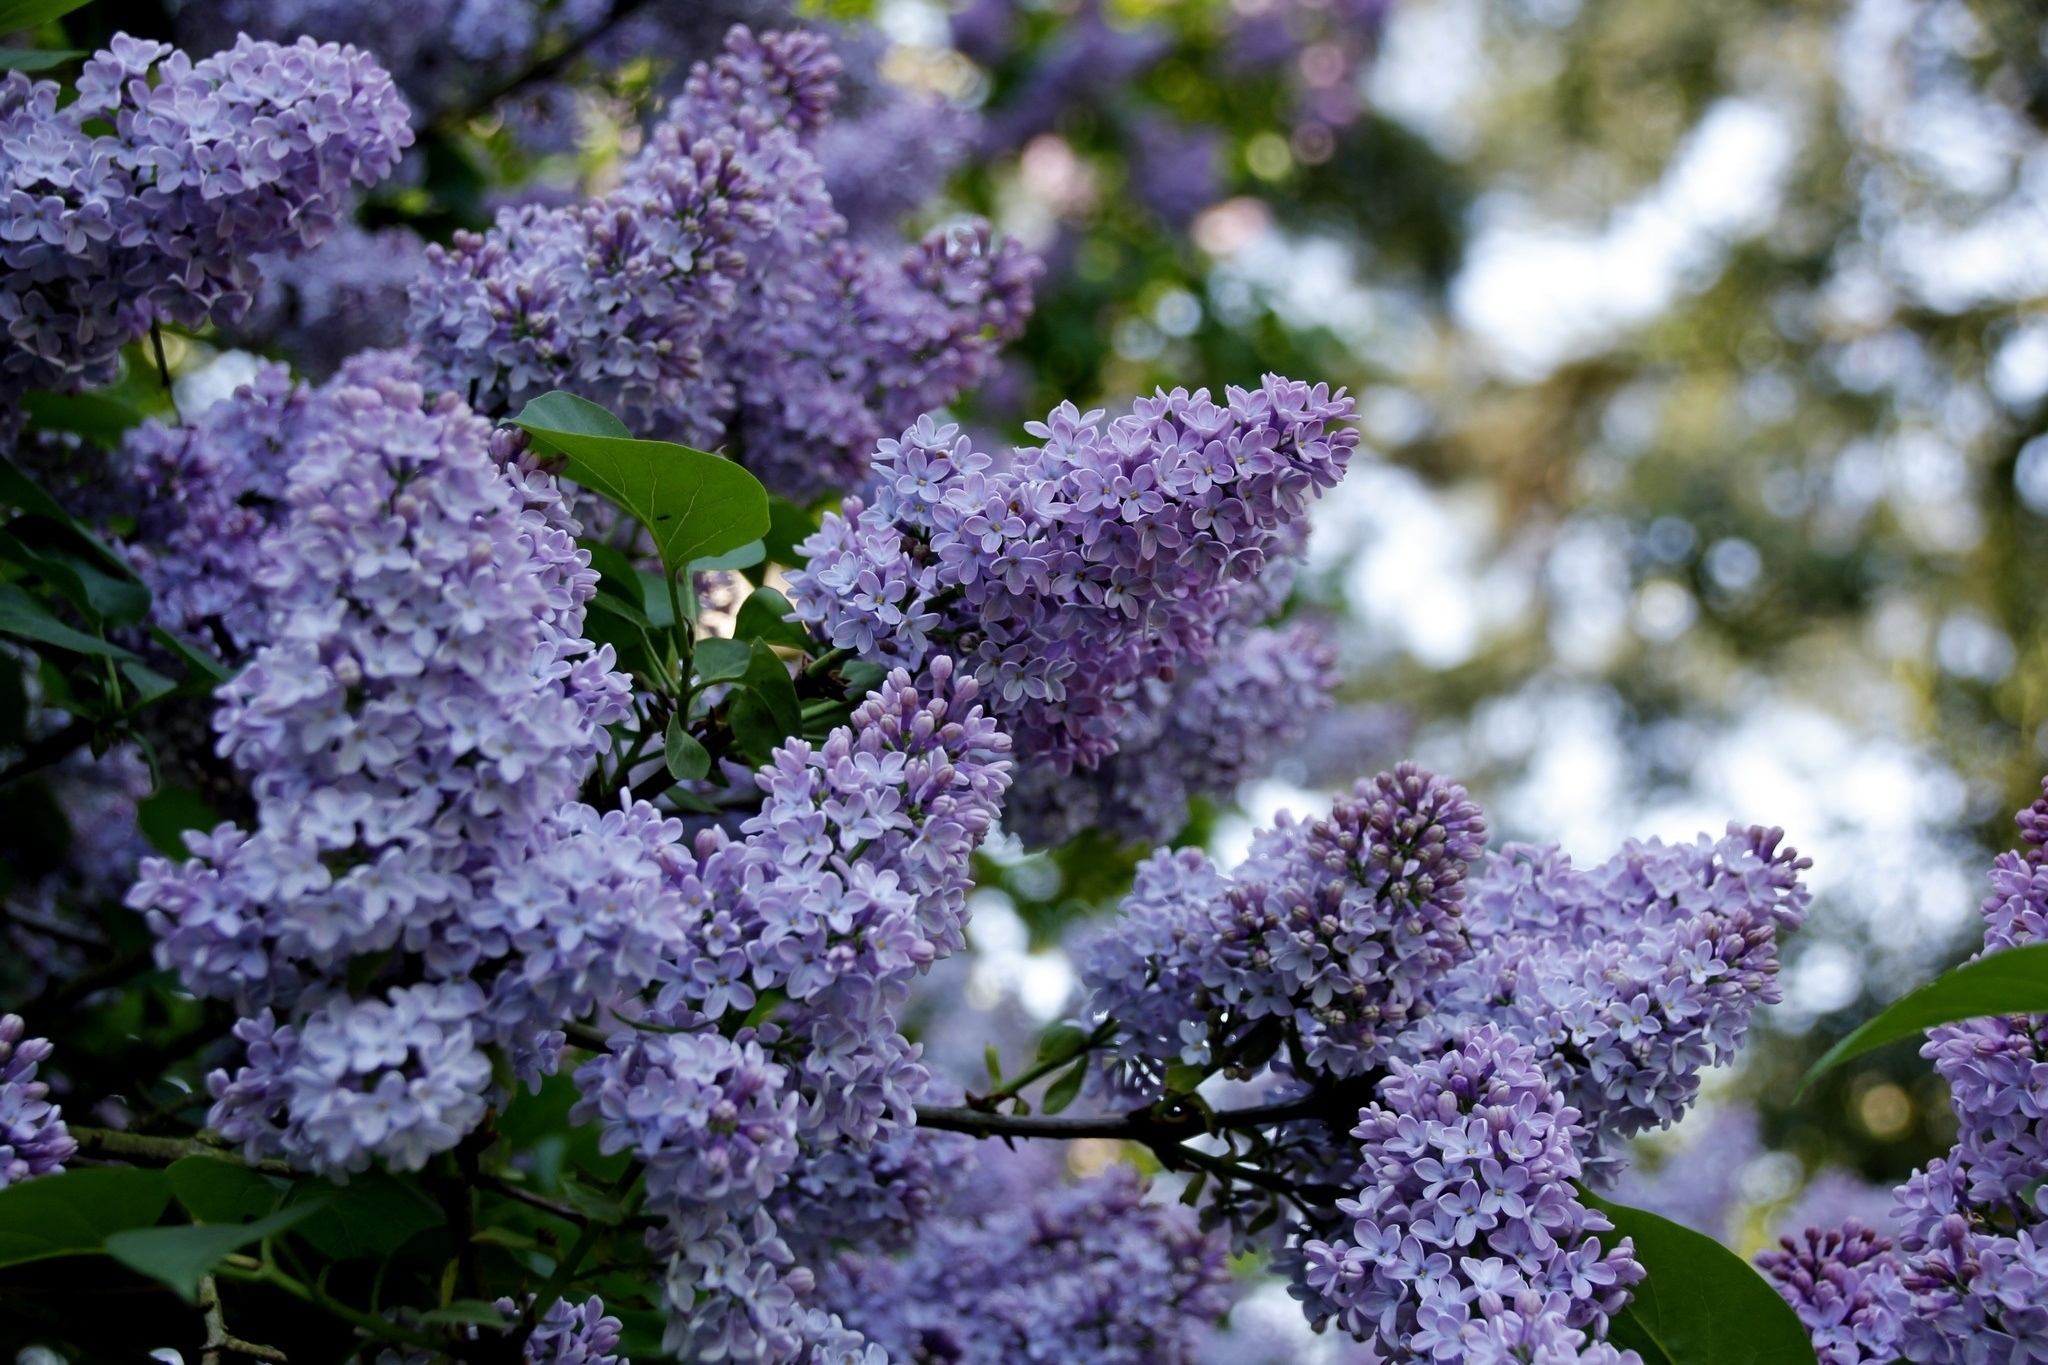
[[1337, 929], [1844, 1286], [715, 297], [398, 1079], [1087, 1273], [209, 491], [424, 697], [1211, 728], [571, 1334], [1079, 567], [1467, 1206], [207, 164], [877, 1196], [33, 1137], [1631, 977]]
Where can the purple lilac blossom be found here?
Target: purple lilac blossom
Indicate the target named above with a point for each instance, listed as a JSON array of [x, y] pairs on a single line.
[[1965, 1279], [1629, 978], [1212, 728], [893, 159], [344, 296], [715, 297], [33, 1138], [1078, 567], [1700, 1183], [1089, 1273], [1468, 1208], [572, 1334], [208, 492], [256, 149], [1844, 1286]]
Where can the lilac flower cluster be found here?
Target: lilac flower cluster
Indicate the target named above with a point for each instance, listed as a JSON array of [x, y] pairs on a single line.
[[1631, 977], [33, 1138], [347, 295], [1208, 730], [1370, 963], [1844, 1285], [1082, 566], [255, 149], [1090, 1272], [715, 297], [1967, 1279], [569, 1334], [1337, 929], [1467, 1207], [208, 492], [849, 881]]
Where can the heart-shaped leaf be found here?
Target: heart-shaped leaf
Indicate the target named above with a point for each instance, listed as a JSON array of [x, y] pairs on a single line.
[[180, 1257], [687, 760], [73, 1213], [2012, 982], [695, 504], [1700, 1304]]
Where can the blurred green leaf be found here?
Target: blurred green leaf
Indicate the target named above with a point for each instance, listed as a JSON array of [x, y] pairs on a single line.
[[375, 1214], [165, 814], [687, 760], [746, 556], [35, 59], [74, 1213], [788, 526], [2011, 982], [1060, 1042], [1700, 1304], [761, 618], [94, 416], [25, 618], [694, 504], [1063, 1091], [20, 14], [180, 1257], [616, 574], [222, 1190]]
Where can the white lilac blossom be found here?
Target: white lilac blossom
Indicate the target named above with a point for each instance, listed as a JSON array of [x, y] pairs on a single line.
[[715, 296], [1089, 1273], [33, 1138], [1074, 570], [1966, 1278], [1467, 1206], [1370, 964], [148, 196], [1204, 733]]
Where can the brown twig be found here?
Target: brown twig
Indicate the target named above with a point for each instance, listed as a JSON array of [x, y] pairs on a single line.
[[140, 1150], [219, 1339]]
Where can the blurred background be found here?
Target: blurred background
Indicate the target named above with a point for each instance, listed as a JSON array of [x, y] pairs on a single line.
[[1702, 359]]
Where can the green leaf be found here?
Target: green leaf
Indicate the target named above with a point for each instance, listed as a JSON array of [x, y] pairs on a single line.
[[180, 1257], [761, 618], [718, 660], [147, 682], [206, 670], [40, 547], [1701, 1303], [166, 813], [788, 526], [696, 505], [2012, 982], [22, 616], [373, 1215], [21, 14], [1184, 1079], [615, 573], [35, 59], [469, 1312], [613, 605], [745, 557], [74, 1213], [94, 416], [687, 759], [861, 677], [753, 725], [18, 490], [564, 414], [768, 678], [1060, 1042], [1062, 1092], [221, 1190]]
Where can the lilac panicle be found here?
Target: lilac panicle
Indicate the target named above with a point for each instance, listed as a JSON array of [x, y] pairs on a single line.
[[33, 1137], [1064, 577], [1467, 1207], [1632, 977], [715, 296], [1844, 1286], [208, 165], [1089, 1273]]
